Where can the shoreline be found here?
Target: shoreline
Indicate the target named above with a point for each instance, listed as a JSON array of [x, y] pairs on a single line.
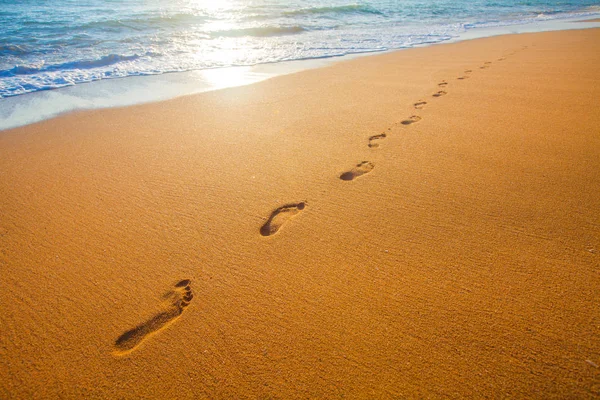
[[415, 224], [39, 106]]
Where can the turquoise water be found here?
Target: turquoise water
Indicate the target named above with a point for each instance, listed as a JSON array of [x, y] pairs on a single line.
[[48, 44]]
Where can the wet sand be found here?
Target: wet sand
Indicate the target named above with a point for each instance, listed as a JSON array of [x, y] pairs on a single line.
[[418, 224]]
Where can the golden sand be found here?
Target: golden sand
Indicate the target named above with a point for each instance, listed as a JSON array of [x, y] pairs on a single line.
[[419, 224]]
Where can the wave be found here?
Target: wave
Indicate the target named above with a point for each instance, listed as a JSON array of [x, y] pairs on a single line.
[[262, 31], [528, 18], [84, 64], [105, 42], [13, 49], [141, 22], [347, 9]]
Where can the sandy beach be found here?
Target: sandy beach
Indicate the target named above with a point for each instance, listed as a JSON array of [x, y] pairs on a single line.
[[418, 224]]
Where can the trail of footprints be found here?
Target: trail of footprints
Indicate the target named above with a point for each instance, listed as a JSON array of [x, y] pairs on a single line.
[[179, 298], [280, 216]]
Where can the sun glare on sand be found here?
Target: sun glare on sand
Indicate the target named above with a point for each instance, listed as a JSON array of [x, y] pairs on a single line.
[[227, 77]]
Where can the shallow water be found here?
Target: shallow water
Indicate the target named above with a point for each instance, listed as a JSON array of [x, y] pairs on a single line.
[[46, 44]]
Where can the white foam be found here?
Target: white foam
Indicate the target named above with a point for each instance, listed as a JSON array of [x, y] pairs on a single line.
[[541, 25], [33, 107]]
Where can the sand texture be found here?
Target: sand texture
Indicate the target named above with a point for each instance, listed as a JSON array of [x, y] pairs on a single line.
[[418, 224]]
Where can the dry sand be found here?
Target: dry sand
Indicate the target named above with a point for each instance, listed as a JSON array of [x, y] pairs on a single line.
[[419, 224]]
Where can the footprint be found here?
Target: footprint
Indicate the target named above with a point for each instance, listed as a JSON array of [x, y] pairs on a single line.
[[501, 59], [484, 67], [439, 94], [468, 71], [487, 62], [363, 168], [442, 84], [280, 216], [374, 139], [420, 104], [460, 78], [411, 120], [178, 299]]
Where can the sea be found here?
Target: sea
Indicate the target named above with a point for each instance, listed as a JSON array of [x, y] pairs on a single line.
[[59, 56]]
